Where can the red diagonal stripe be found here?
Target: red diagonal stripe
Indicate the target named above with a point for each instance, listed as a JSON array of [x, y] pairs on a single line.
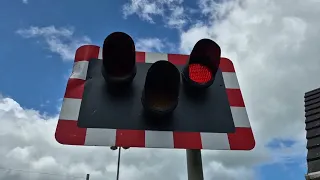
[[68, 132], [226, 65], [86, 52], [235, 97], [242, 139], [187, 140], [140, 57], [130, 138], [178, 59], [75, 88]]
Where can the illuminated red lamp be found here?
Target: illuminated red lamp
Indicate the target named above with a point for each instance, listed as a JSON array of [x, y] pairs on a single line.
[[203, 64], [199, 73], [161, 89], [119, 58]]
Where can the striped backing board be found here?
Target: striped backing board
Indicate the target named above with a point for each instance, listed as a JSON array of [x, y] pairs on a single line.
[[67, 131]]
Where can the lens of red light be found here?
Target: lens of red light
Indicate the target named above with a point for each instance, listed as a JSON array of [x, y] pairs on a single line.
[[199, 73]]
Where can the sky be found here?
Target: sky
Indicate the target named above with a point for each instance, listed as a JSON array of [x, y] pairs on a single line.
[[273, 45]]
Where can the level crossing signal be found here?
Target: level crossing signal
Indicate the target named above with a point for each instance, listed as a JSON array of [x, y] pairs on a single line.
[[117, 96]]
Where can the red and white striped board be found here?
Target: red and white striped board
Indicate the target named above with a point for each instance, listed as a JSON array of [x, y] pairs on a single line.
[[67, 131]]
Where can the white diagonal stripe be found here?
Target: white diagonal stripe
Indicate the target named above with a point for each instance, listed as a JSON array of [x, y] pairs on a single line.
[[100, 53], [159, 139], [100, 137], [217, 141], [154, 57], [240, 117], [230, 80], [80, 69], [70, 109]]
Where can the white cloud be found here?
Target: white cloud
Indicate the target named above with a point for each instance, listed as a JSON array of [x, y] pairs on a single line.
[[149, 44], [217, 10], [177, 18], [61, 41], [171, 11], [153, 45], [143, 8], [27, 143], [273, 47], [25, 1]]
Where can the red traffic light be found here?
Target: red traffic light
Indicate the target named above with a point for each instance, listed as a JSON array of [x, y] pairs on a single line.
[[161, 90], [119, 58], [203, 64], [199, 73]]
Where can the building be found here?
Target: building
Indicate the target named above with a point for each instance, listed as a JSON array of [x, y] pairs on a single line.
[[312, 114]]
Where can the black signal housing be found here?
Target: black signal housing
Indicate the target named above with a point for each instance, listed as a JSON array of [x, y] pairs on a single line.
[[203, 64], [161, 89], [119, 61]]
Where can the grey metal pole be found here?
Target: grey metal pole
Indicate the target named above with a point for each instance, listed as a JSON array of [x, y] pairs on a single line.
[[88, 177], [194, 164], [118, 168]]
